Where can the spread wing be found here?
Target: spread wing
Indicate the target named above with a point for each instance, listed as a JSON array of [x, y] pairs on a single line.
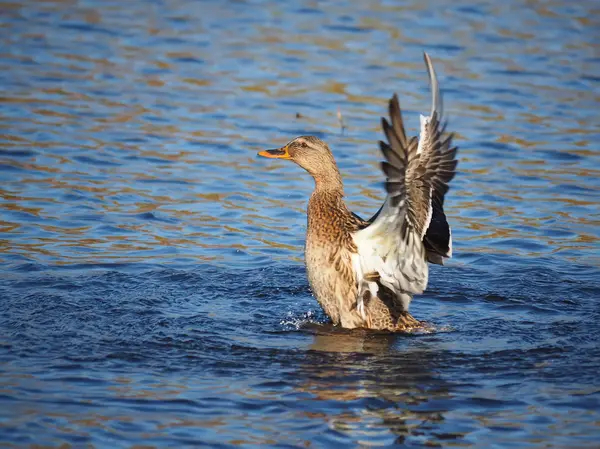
[[418, 171], [438, 237]]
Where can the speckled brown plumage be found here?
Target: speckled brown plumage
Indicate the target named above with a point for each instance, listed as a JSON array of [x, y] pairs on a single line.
[[328, 251]]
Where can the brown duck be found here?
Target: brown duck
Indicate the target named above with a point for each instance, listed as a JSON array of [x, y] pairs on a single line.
[[365, 273]]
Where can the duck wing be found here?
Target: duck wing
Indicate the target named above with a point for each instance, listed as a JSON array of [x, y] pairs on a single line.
[[438, 238], [395, 244]]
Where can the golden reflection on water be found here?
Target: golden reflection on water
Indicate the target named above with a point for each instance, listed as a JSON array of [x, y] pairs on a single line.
[[394, 412]]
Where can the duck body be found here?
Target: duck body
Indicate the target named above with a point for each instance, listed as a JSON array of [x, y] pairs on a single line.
[[364, 273], [330, 257]]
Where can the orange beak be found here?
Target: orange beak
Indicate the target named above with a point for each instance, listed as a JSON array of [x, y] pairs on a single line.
[[279, 153]]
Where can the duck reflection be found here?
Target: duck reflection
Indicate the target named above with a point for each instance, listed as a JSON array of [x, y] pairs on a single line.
[[388, 383]]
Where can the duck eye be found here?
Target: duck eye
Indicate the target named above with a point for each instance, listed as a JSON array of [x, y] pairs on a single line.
[[304, 145]]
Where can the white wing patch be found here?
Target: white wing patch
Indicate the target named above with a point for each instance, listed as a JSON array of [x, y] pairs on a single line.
[[423, 137], [400, 262]]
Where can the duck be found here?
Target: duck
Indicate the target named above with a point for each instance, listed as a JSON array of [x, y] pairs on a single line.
[[364, 273]]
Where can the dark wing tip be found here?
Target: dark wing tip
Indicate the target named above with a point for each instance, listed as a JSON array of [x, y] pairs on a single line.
[[394, 103]]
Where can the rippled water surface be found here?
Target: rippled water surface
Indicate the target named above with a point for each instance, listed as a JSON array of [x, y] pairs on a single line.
[[152, 285]]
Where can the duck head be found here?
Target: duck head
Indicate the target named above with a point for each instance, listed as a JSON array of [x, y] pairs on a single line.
[[310, 153]]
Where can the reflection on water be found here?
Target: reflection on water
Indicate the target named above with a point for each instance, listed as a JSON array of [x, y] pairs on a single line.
[[151, 278], [395, 397]]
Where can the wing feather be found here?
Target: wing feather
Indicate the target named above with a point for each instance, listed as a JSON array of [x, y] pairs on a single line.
[[396, 242]]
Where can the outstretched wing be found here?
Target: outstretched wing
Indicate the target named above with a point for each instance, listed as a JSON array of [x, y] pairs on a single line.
[[438, 237], [418, 172]]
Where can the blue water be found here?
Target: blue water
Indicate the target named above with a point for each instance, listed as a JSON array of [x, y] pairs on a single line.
[[152, 287]]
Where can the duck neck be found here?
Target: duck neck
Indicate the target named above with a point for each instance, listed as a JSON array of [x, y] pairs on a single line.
[[330, 181], [325, 202]]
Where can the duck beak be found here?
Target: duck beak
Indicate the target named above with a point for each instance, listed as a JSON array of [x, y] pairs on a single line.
[[279, 153]]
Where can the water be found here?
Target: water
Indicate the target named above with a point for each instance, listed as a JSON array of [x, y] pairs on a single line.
[[152, 285]]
